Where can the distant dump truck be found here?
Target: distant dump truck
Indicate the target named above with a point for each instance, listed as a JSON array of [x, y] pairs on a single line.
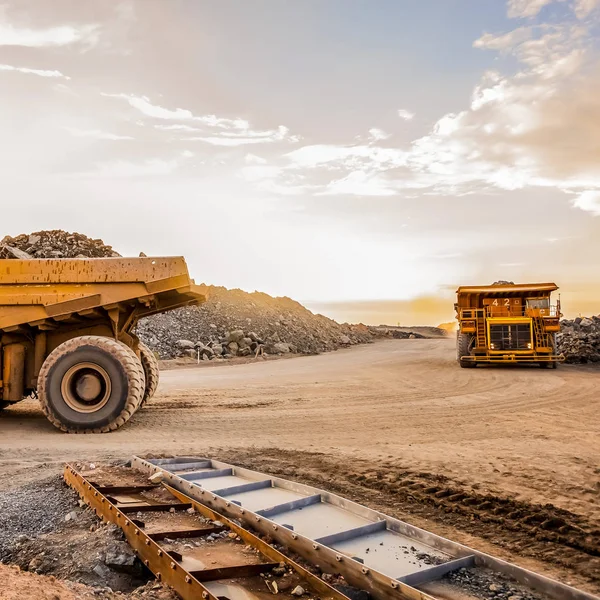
[[67, 334], [507, 323]]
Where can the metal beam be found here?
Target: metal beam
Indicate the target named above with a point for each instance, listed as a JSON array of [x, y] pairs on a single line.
[[437, 571], [351, 534], [197, 475], [236, 571], [286, 506], [243, 487]]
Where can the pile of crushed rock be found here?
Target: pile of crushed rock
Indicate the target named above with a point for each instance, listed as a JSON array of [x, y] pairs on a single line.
[[237, 323], [231, 323], [579, 340], [54, 244]]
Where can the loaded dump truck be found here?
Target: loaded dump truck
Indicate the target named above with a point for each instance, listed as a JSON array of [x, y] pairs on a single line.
[[67, 334], [507, 323]]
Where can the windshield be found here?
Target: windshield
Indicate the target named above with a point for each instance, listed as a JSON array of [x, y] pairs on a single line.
[[538, 302]]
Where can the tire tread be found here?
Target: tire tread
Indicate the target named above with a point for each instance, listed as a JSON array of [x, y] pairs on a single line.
[[151, 371]]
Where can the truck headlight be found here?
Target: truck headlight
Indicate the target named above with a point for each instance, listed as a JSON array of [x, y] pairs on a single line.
[[529, 346]]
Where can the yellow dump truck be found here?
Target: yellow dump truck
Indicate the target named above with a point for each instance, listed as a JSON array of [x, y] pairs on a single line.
[[507, 323], [67, 334]]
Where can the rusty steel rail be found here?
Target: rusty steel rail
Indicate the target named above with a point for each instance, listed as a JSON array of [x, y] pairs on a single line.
[[168, 565]]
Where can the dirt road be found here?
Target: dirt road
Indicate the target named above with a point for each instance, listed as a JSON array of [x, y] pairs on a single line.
[[396, 421]]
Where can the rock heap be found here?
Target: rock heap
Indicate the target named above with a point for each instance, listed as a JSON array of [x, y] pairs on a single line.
[[231, 323], [236, 323], [579, 340], [54, 244]]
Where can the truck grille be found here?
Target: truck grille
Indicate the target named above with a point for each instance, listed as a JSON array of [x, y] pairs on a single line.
[[510, 337]]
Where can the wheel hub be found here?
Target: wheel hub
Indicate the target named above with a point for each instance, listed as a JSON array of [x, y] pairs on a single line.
[[85, 387]]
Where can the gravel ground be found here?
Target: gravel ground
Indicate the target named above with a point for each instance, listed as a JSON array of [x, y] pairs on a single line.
[[34, 509], [490, 586]]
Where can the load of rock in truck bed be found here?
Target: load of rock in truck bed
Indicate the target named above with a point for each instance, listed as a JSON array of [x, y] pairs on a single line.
[[54, 244]]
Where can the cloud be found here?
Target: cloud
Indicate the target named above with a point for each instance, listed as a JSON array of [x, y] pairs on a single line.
[[176, 127], [589, 201], [96, 134], [406, 115], [376, 135], [538, 127], [584, 8], [63, 35], [326, 169], [519, 9], [248, 137], [224, 131], [360, 183], [38, 72], [505, 41], [252, 159], [350, 157], [143, 104]]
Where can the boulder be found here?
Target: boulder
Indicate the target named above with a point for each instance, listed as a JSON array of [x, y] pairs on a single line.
[[120, 557], [255, 338], [279, 348], [235, 336], [245, 342], [185, 344]]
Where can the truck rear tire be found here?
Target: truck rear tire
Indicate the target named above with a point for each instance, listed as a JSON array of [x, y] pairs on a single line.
[[463, 347], [90, 384], [151, 371]]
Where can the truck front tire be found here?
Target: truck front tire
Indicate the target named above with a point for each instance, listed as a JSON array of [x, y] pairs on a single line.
[[463, 348], [90, 384]]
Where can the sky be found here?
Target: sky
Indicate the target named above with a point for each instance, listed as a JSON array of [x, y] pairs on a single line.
[[364, 157]]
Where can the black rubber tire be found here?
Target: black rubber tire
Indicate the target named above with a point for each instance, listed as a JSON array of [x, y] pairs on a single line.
[[126, 379], [549, 365], [463, 343], [151, 371], [553, 364], [3, 404]]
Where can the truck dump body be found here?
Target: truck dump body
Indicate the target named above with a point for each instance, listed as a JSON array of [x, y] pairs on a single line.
[[56, 310], [507, 323], [36, 291]]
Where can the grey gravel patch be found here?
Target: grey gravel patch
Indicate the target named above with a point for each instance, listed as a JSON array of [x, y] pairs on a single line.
[[487, 585], [34, 509]]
